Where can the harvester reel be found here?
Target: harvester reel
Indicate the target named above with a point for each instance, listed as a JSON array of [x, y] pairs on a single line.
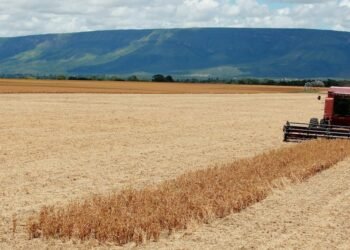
[[313, 123], [294, 131]]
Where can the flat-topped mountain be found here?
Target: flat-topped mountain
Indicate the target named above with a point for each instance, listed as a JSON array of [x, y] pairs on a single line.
[[199, 52]]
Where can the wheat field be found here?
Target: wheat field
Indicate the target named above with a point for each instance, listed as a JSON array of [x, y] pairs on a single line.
[[109, 87], [198, 196], [61, 148]]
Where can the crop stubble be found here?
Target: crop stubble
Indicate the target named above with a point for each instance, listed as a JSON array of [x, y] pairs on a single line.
[[51, 144]]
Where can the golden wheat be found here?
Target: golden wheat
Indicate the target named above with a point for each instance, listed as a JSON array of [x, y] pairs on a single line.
[[139, 215], [59, 86]]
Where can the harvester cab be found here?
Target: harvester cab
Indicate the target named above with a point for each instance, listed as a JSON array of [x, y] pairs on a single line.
[[335, 123]]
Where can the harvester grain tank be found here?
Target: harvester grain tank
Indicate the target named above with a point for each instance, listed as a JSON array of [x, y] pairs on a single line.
[[335, 123]]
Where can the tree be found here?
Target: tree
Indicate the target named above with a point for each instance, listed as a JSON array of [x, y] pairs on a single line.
[[61, 77], [133, 78], [158, 78], [161, 78], [169, 78]]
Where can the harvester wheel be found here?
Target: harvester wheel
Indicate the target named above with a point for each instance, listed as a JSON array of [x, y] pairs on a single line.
[[313, 123]]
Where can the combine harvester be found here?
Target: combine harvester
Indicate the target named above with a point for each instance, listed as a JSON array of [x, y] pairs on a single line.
[[335, 123]]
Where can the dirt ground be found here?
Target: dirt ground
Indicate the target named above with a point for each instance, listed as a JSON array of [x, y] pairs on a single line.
[[55, 148]]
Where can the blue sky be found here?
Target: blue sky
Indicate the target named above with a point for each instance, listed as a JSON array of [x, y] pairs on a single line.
[[23, 17]]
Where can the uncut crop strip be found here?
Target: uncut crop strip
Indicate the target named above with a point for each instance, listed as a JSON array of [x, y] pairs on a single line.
[[203, 195], [62, 86]]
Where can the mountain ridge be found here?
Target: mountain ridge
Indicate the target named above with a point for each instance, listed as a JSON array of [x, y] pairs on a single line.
[[205, 52]]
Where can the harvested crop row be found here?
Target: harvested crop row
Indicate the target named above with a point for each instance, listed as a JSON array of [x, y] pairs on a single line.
[[138, 215]]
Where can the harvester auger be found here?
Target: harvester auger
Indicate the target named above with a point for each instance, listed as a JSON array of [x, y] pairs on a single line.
[[335, 123]]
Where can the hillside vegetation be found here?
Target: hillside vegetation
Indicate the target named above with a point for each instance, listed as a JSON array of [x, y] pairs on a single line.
[[203, 52]]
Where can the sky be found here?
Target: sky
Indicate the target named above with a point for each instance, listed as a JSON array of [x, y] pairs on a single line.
[[26, 17]]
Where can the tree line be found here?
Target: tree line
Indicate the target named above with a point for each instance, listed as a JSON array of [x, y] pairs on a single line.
[[169, 78]]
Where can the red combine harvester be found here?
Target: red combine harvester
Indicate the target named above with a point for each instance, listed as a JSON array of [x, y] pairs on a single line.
[[335, 123]]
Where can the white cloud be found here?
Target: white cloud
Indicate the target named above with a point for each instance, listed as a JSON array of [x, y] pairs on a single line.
[[345, 3], [23, 17]]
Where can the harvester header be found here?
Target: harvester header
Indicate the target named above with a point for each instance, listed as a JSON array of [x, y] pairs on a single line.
[[335, 123]]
